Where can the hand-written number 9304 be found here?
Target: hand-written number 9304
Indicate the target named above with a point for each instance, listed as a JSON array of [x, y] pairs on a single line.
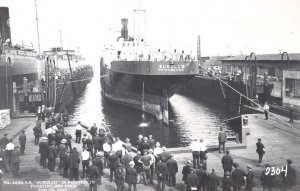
[[272, 171]]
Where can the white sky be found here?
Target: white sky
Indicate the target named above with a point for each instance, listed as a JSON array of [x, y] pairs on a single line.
[[226, 26]]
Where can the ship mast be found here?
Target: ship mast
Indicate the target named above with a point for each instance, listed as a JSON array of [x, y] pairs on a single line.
[[37, 27]]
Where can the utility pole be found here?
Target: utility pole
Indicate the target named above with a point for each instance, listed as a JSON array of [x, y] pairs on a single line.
[[199, 49]]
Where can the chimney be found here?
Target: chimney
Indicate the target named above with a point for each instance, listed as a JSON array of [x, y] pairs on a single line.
[[4, 26], [124, 30]]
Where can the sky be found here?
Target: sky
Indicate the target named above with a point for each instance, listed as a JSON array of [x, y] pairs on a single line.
[[226, 27]]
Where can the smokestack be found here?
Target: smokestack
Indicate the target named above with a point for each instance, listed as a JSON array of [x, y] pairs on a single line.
[[124, 30], [4, 26]]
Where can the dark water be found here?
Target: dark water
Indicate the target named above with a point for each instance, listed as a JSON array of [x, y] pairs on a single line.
[[189, 118]]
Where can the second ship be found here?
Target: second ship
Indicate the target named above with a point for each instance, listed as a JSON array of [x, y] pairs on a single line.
[[135, 75]]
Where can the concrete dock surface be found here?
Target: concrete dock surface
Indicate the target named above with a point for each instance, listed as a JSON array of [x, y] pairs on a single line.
[[282, 142]]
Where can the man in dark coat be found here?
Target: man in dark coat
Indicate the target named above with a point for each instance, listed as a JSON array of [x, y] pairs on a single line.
[[151, 142], [192, 180], [62, 150], [145, 146], [99, 163], [249, 179], [65, 118], [202, 176], [37, 131], [52, 156], [139, 143], [146, 161], [161, 171], [260, 149], [238, 177], [93, 130], [65, 162], [126, 159], [97, 144], [2, 161], [291, 113], [89, 144], [172, 170], [186, 171], [15, 160], [227, 182], [289, 178], [93, 174], [22, 142], [138, 165], [227, 162], [267, 179], [59, 136], [4, 141], [131, 176], [44, 151], [68, 137], [74, 164], [213, 181], [120, 177], [113, 164]]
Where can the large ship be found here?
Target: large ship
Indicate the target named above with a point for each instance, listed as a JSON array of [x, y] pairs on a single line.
[[18, 64], [143, 77], [67, 75]]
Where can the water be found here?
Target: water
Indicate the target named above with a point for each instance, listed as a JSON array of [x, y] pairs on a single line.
[[189, 118]]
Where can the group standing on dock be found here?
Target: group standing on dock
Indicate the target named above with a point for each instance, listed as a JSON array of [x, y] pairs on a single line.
[[132, 164]]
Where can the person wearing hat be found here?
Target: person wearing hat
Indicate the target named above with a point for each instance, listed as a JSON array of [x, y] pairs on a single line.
[[78, 130], [85, 159], [89, 144], [266, 110], [289, 178], [213, 181], [37, 131], [44, 151], [157, 151], [65, 118], [203, 161], [4, 140], [15, 160], [106, 150], [93, 131], [97, 144], [61, 150], [202, 176], [249, 179], [127, 145], [138, 164], [43, 113], [99, 163], [222, 137], [291, 113], [172, 169], [2, 161], [151, 142], [238, 177], [145, 160], [161, 171], [139, 143], [203, 149], [113, 164], [195, 147], [68, 137], [8, 150], [22, 142], [120, 177], [186, 171], [152, 162], [145, 145], [39, 113], [227, 182], [52, 156], [74, 164], [227, 162], [266, 178], [117, 147], [192, 180], [64, 162], [131, 176], [127, 158], [260, 149], [93, 175]]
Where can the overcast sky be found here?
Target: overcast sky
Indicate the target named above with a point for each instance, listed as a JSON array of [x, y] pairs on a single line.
[[225, 26]]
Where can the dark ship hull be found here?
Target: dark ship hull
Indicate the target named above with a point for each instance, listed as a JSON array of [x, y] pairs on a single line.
[[68, 91], [145, 85]]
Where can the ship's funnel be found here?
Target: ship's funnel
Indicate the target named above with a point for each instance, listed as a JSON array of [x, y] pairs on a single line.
[[5, 36], [124, 30]]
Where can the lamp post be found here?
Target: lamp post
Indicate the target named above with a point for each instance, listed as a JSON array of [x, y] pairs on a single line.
[[288, 63], [255, 71]]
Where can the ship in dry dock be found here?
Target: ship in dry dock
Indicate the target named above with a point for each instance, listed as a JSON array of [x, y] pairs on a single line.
[[143, 77]]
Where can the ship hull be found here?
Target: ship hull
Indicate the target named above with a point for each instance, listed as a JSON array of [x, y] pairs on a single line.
[[146, 86]]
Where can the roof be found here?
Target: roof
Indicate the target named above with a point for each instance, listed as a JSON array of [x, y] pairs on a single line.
[[265, 57]]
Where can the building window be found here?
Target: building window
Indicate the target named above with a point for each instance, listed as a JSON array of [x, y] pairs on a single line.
[[292, 88]]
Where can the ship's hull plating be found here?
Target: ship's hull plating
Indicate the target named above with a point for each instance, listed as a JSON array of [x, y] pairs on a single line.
[[145, 85]]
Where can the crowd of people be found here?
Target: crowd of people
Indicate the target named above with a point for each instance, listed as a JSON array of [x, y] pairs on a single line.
[[144, 162]]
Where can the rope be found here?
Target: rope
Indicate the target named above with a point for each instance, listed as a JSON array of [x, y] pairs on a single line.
[[240, 103], [242, 95]]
